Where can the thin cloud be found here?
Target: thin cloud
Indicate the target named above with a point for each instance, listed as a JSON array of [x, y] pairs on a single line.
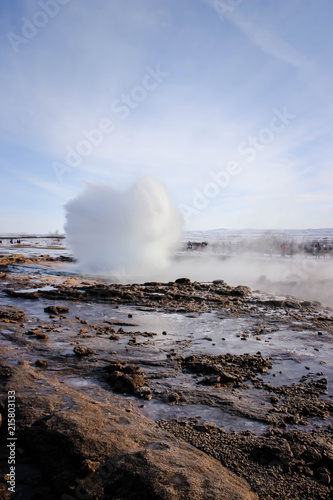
[[268, 41]]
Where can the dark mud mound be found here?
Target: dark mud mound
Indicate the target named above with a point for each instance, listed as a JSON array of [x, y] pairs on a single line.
[[10, 314], [125, 379], [226, 368], [173, 296], [56, 309]]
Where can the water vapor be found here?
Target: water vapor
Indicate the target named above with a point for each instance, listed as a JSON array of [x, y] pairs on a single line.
[[130, 232]]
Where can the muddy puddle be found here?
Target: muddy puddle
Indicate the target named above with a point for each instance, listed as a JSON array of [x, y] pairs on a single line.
[[203, 413], [293, 352]]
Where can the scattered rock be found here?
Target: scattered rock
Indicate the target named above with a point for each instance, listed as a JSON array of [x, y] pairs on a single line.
[[173, 397], [221, 379], [56, 309], [11, 314], [81, 351], [241, 291], [41, 336], [113, 336], [226, 368], [41, 363], [88, 467], [145, 393], [125, 379], [183, 281]]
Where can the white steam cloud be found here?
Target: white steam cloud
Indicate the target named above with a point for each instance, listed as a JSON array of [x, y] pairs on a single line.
[[130, 232]]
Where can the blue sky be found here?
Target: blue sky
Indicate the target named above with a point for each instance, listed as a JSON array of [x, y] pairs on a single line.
[[187, 91]]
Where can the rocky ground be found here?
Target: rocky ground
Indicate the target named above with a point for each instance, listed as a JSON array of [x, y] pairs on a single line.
[[87, 364], [279, 465]]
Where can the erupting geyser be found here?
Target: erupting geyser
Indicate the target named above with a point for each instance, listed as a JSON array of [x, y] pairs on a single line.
[[130, 232]]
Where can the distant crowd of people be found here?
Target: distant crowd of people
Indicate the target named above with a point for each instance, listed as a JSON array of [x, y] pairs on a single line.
[[195, 245], [13, 242], [319, 249], [266, 247]]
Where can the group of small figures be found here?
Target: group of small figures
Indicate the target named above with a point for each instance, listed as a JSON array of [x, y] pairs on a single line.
[[196, 245], [12, 242]]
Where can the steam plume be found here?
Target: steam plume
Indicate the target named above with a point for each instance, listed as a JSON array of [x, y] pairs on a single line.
[[123, 232]]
